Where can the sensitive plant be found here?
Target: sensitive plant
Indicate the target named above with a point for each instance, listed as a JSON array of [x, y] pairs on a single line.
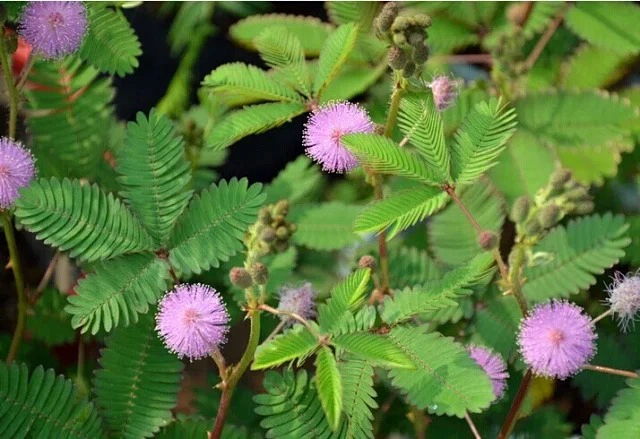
[[444, 287]]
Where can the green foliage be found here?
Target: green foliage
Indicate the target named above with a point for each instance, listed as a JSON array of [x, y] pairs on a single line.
[[346, 297], [211, 229], [352, 80], [138, 382], [377, 349], [328, 226], [361, 13], [81, 218], [447, 380], [333, 55], [585, 247], [436, 294], [594, 67], [110, 45], [185, 427], [295, 343], [119, 290], [295, 182], [329, 386], [623, 418], [49, 322], [42, 404], [154, 174], [410, 266], [497, 324], [189, 17], [358, 397]]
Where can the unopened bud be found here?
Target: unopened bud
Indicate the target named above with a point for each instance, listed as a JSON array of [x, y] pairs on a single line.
[[282, 208], [264, 216], [409, 70], [549, 216], [292, 228], [389, 13], [579, 193], [420, 54], [259, 273], [532, 227], [488, 240], [583, 207], [367, 261], [520, 210], [396, 58], [268, 234], [559, 178], [399, 39], [240, 277], [416, 39], [282, 232], [517, 13], [422, 20]]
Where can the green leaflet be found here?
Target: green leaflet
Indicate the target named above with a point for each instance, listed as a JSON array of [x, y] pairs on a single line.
[[497, 324], [295, 182], [295, 343], [329, 386], [81, 219], [253, 119], [361, 13], [328, 226], [358, 397], [594, 67], [352, 80], [118, 291], [42, 404], [212, 227], [623, 418], [137, 385], [585, 247], [334, 54], [410, 266], [186, 427], [110, 45], [447, 381], [154, 174], [49, 322], [346, 297], [377, 349]]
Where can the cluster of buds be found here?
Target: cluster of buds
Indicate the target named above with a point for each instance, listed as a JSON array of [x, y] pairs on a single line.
[[407, 36], [271, 233], [560, 197]]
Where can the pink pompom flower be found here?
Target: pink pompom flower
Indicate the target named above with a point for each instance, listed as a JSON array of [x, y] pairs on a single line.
[[323, 132], [192, 320], [557, 339], [17, 169], [494, 366], [445, 91], [54, 29], [299, 300], [624, 298]]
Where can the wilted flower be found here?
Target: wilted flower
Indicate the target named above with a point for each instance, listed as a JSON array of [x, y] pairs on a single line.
[[494, 366], [192, 320], [17, 169], [624, 298], [444, 91], [299, 300], [323, 132], [54, 29], [557, 339]]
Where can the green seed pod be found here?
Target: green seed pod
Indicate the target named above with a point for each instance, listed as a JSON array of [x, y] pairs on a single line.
[[240, 277], [488, 240], [396, 58], [520, 210], [420, 54], [259, 273], [532, 227], [549, 216]]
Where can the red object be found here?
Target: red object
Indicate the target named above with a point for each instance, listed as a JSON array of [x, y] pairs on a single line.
[[20, 57]]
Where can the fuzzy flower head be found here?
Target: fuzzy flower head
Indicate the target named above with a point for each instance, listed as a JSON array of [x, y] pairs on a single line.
[[192, 320], [17, 169], [323, 132], [445, 91], [624, 298], [299, 300], [54, 29], [494, 366], [557, 339]]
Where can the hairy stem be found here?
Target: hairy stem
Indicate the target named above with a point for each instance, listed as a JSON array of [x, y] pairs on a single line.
[[605, 314], [512, 416], [612, 371], [17, 274], [11, 86], [472, 426], [235, 373], [544, 39]]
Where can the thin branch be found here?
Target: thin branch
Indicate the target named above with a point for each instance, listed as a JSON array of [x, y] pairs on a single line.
[[25, 72], [293, 315], [512, 416], [472, 426], [612, 371], [544, 39], [46, 277], [607, 313], [217, 357], [16, 266], [276, 330], [11, 86]]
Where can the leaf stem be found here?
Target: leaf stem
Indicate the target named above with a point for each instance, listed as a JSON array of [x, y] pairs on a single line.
[[25, 72], [515, 406], [544, 39], [14, 258], [276, 330], [293, 315], [472, 426], [46, 277], [11, 86], [234, 373], [612, 371]]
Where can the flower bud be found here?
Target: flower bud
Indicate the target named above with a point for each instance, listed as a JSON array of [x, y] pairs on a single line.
[[268, 234], [292, 228], [409, 70], [264, 216], [532, 227], [488, 240], [420, 54], [282, 232], [388, 14], [583, 207], [520, 210], [399, 39], [559, 178], [259, 273], [240, 277], [282, 208], [579, 193], [367, 261], [444, 92], [416, 39], [396, 58], [549, 216]]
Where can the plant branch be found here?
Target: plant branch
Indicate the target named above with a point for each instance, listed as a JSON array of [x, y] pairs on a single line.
[[277, 329], [605, 314], [293, 315], [420, 422], [14, 258], [544, 39], [512, 416], [612, 371], [46, 277], [472, 426], [25, 72], [11, 86]]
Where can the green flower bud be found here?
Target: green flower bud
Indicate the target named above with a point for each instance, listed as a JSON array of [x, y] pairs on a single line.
[[532, 227], [399, 39], [559, 178], [240, 277], [409, 70], [268, 234], [292, 228], [583, 207], [388, 14], [282, 208], [282, 232], [396, 58], [265, 216], [549, 216], [367, 261], [488, 240], [259, 273], [416, 39], [280, 246], [420, 54], [520, 210], [579, 193]]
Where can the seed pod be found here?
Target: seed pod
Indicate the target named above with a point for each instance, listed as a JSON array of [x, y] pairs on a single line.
[[488, 240], [240, 277], [367, 261], [396, 58], [549, 216], [520, 210], [259, 273]]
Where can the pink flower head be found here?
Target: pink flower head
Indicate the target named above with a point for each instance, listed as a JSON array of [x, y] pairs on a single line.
[[300, 300], [494, 366], [624, 298], [444, 92], [557, 339], [323, 132], [54, 29], [17, 169], [192, 320]]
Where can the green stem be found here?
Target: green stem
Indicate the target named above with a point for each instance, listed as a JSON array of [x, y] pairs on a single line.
[[612, 371], [510, 421], [11, 86], [235, 373], [22, 298]]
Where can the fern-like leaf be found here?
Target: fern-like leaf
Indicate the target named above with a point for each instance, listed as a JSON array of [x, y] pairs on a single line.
[[358, 397], [80, 218], [410, 266], [253, 119], [118, 291], [377, 349], [447, 380], [111, 45], [138, 382], [586, 247], [334, 53], [497, 325], [154, 174], [346, 297], [623, 418], [480, 140], [328, 226], [212, 227], [329, 386], [296, 343], [43, 405]]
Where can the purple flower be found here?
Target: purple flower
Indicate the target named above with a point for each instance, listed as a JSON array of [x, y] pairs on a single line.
[[17, 169], [324, 130], [192, 320], [300, 300], [54, 29], [557, 339], [624, 298], [444, 92], [494, 366]]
